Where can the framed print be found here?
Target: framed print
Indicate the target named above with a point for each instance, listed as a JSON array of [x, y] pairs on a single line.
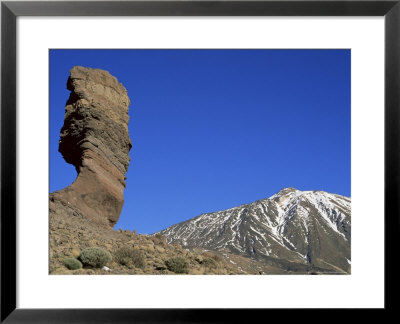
[[196, 152]]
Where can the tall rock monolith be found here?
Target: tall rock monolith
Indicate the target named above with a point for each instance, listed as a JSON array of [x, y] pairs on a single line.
[[95, 139]]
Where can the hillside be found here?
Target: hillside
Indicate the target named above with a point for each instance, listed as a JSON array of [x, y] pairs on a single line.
[[70, 234]]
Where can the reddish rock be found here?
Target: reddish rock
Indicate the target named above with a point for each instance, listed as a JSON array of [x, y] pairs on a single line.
[[96, 141]]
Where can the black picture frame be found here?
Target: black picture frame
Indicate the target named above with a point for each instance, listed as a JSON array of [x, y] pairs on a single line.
[[10, 10]]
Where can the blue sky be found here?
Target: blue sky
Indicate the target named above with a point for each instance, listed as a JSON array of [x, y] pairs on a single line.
[[214, 129]]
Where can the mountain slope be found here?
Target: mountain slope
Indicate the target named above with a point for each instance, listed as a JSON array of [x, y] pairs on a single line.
[[294, 230]]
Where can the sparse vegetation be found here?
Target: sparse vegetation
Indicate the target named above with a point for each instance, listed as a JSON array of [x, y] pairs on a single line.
[[80, 234], [95, 257], [212, 255], [130, 257], [177, 265], [209, 263], [159, 239], [72, 263]]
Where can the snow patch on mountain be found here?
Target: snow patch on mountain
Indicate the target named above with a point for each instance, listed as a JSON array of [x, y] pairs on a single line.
[[299, 226]]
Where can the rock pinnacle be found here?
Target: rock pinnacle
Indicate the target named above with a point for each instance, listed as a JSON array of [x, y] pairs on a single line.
[[95, 139]]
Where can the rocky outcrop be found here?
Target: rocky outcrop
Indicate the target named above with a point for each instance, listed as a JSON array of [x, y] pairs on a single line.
[[96, 141]]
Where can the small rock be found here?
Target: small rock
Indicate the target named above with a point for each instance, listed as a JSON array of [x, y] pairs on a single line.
[[75, 252], [106, 268], [199, 259]]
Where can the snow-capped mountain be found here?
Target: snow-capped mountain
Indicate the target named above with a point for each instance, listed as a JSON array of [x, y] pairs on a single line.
[[292, 230]]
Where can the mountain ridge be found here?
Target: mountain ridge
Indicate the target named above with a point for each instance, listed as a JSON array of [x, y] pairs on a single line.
[[292, 229], [184, 221]]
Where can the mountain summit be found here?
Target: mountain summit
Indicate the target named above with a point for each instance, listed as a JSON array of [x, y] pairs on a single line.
[[293, 230]]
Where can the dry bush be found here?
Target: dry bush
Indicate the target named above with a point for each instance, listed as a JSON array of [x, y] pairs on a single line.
[[159, 239], [212, 255], [128, 256], [177, 265], [209, 263]]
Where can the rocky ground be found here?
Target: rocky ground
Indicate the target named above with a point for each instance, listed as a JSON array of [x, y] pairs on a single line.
[[72, 233]]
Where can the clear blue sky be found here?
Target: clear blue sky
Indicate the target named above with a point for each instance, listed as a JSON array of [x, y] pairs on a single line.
[[214, 129]]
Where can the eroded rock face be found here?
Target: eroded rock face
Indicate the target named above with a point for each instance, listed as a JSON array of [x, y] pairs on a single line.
[[96, 141]]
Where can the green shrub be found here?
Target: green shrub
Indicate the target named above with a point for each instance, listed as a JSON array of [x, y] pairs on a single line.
[[209, 263], [95, 257], [72, 263], [177, 265], [127, 256]]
